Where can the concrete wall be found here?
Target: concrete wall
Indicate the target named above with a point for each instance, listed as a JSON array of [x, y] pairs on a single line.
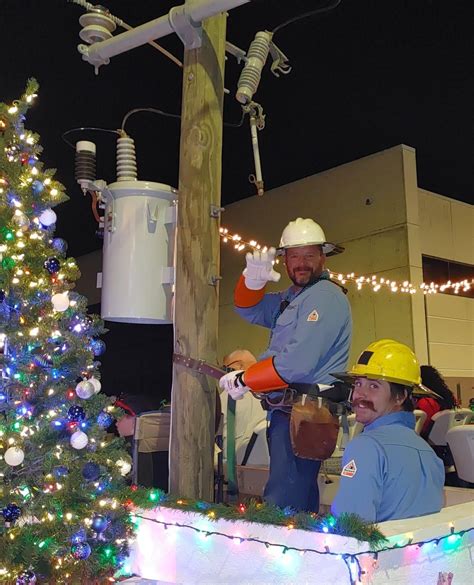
[[361, 205], [447, 231]]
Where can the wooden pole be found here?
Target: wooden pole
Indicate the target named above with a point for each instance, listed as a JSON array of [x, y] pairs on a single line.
[[196, 298]]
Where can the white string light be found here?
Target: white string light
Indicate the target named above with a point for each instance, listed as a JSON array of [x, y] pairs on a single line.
[[375, 282]]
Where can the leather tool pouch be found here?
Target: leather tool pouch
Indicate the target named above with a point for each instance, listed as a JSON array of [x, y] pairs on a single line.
[[313, 429]]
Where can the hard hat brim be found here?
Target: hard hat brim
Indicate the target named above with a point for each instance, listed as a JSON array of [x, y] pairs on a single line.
[[418, 390], [329, 249]]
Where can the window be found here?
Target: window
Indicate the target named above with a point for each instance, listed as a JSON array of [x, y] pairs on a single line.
[[440, 271]]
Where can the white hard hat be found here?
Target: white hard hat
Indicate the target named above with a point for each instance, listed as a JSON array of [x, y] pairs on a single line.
[[306, 232]]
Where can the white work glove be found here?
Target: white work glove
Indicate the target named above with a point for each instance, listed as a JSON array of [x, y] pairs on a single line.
[[259, 269], [234, 385]]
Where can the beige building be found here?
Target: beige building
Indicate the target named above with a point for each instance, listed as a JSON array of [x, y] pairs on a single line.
[[387, 224], [375, 209]]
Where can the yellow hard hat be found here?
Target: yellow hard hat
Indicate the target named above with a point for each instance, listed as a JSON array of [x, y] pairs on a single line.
[[387, 360]]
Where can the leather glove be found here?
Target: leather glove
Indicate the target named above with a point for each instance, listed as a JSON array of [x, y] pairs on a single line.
[[259, 269], [234, 384]]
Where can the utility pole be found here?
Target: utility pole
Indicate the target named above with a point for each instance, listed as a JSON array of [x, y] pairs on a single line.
[[191, 458]]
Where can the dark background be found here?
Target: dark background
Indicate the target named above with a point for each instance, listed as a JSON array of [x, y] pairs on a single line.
[[366, 76]]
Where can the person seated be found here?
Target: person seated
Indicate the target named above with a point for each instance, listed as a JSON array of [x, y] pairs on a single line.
[[388, 471], [443, 400], [249, 412]]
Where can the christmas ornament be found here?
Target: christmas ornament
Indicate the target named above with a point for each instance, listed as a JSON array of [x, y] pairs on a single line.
[[81, 551], [99, 523], [60, 302], [91, 471], [26, 578], [60, 471], [14, 456], [76, 413], [37, 187], [124, 466], [79, 440], [48, 218], [59, 245], [52, 265], [97, 347], [11, 513], [85, 389], [104, 420], [97, 385], [79, 536], [41, 359], [3, 125]]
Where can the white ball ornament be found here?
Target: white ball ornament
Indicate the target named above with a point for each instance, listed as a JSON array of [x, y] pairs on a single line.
[[79, 440], [14, 456], [85, 389], [60, 302], [124, 466], [48, 217], [96, 383]]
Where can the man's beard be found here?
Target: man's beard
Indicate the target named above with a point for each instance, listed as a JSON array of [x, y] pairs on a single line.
[[307, 280]]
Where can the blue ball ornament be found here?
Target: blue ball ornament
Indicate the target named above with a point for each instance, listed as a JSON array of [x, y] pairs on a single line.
[[52, 265], [99, 523], [91, 471], [59, 245], [11, 513], [37, 187], [76, 413], [60, 471], [79, 536], [104, 420], [81, 551], [97, 347], [26, 578]]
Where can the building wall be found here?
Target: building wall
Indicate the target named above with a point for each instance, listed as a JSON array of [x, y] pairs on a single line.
[[447, 231], [361, 205]]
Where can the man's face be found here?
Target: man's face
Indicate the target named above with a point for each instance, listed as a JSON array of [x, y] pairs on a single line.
[[371, 399], [304, 264]]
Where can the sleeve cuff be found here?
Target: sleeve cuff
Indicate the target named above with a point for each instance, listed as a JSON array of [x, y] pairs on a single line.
[[263, 377], [244, 297]]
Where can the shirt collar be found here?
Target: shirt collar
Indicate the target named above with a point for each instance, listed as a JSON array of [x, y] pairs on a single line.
[[406, 419]]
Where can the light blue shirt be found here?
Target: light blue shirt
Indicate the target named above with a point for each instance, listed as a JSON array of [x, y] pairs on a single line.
[[311, 337], [389, 472]]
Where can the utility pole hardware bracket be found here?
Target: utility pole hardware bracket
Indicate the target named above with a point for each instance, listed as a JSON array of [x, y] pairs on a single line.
[[215, 211], [188, 31]]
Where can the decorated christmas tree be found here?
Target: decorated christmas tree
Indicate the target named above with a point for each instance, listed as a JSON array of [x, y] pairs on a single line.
[[63, 498]]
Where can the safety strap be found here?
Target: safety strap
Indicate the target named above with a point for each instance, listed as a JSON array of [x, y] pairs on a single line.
[[232, 486], [249, 449], [199, 366]]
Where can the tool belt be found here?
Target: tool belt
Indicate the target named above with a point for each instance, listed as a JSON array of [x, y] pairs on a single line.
[[314, 422]]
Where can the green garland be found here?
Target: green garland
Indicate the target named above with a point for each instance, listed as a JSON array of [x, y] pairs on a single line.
[[349, 525]]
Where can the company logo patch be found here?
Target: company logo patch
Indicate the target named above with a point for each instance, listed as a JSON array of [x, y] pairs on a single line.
[[350, 469], [313, 316]]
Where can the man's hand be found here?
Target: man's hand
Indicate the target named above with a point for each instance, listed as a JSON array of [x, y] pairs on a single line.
[[234, 385], [259, 269]]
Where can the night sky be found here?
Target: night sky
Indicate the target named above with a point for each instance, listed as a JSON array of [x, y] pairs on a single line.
[[366, 76]]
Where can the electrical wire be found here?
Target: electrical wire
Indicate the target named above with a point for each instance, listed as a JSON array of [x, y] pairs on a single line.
[[64, 134], [330, 6], [172, 115]]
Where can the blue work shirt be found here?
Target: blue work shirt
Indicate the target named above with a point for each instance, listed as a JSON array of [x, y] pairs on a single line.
[[311, 337], [389, 472]]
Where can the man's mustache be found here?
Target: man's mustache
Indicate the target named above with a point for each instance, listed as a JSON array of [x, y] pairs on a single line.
[[365, 403]]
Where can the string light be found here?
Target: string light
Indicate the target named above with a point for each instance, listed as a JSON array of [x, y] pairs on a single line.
[[375, 282]]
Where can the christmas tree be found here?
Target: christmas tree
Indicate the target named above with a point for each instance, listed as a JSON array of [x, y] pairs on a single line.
[[63, 499]]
